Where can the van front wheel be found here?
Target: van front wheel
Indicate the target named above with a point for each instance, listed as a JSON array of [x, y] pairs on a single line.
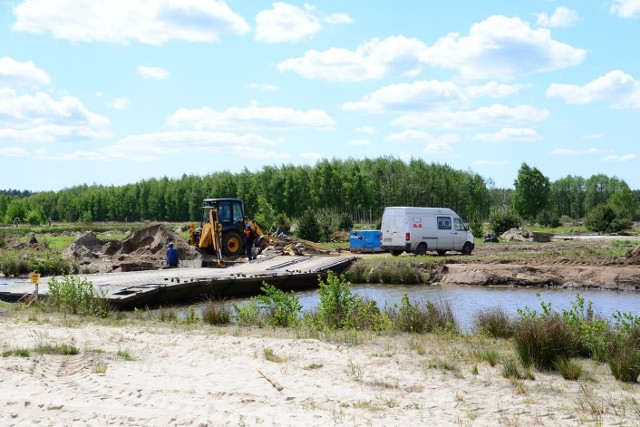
[[466, 249], [421, 249]]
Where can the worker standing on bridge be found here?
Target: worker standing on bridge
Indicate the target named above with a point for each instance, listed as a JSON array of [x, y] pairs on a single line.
[[172, 256], [249, 237]]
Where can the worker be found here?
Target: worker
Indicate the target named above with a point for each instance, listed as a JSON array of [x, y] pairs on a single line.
[[172, 256], [248, 237]]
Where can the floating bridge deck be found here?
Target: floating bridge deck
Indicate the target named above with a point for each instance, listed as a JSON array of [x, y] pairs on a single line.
[[163, 286]]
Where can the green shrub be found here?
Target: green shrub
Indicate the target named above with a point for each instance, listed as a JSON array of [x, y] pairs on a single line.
[[548, 218], [336, 301], [423, 317], [569, 369], [283, 308], [494, 322], [309, 228], [346, 222], [248, 313], [624, 351], [216, 314], [592, 332], [167, 314], [503, 220], [541, 340], [599, 219], [477, 228], [76, 295]]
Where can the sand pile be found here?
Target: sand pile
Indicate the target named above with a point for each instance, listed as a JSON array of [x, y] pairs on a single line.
[[633, 256], [143, 249]]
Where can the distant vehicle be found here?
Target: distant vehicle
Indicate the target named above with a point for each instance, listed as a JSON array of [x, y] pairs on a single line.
[[222, 226], [418, 230]]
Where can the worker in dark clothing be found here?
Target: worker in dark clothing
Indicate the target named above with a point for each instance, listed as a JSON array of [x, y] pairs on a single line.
[[172, 256], [248, 238]]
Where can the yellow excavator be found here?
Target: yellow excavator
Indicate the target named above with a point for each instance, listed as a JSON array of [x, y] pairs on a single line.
[[221, 231]]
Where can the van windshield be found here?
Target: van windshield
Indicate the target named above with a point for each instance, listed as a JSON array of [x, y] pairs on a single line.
[[458, 225]]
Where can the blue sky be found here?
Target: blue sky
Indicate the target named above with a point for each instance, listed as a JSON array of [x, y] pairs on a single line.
[[116, 91]]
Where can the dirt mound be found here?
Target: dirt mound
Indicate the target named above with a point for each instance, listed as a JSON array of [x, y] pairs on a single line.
[[517, 234], [633, 256], [141, 250]]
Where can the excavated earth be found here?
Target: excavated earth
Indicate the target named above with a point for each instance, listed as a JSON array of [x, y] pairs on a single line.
[[574, 263]]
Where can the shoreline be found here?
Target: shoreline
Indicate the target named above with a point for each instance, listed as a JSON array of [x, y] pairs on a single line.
[[153, 374]]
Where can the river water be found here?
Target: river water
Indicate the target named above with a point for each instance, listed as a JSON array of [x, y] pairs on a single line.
[[466, 301]]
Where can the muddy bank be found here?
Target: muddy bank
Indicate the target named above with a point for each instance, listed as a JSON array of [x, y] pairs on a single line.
[[624, 278]]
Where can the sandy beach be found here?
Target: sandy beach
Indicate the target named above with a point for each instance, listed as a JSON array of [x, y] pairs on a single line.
[[156, 374]]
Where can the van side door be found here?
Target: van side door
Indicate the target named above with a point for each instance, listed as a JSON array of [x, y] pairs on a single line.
[[445, 233], [459, 234]]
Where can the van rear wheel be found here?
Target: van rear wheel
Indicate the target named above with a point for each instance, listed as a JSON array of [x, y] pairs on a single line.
[[421, 249], [395, 252], [466, 249]]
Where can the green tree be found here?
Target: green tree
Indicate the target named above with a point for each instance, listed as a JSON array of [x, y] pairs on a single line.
[[532, 192], [309, 228]]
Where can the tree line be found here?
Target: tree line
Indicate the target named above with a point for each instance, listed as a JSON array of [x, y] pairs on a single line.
[[359, 188]]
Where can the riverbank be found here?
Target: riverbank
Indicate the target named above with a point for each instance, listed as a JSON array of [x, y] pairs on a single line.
[[157, 374], [608, 264]]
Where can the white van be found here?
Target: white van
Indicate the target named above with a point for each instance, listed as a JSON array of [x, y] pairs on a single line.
[[424, 229]]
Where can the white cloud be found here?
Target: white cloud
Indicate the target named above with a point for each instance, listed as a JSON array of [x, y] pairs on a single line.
[[40, 118], [52, 133], [120, 103], [416, 96], [156, 73], [21, 74], [509, 134], [494, 90], [263, 87], [625, 8], [501, 48], [253, 117], [375, 59], [561, 17], [312, 155], [121, 21], [150, 146], [569, 151], [42, 109], [289, 23], [496, 48], [619, 89], [438, 148], [496, 115], [620, 159]]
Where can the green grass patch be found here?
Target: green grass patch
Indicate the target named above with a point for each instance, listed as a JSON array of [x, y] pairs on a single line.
[[58, 349]]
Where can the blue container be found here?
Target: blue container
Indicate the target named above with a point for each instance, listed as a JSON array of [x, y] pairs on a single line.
[[365, 241]]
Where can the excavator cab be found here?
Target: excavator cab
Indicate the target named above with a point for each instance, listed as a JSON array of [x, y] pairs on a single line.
[[221, 227]]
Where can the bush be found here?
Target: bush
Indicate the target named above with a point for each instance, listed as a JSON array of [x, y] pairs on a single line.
[[76, 295], [541, 341], [216, 314], [624, 351], [548, 218], [477, 229], [493, 322], [249, 313], [603, 219], [423, 318], [309, 227], [593, 333], [283, 308], [336, 301], [503, 220], [346, 223]]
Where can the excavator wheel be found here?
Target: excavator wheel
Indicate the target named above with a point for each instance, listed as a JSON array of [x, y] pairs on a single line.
[[231, 243]]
